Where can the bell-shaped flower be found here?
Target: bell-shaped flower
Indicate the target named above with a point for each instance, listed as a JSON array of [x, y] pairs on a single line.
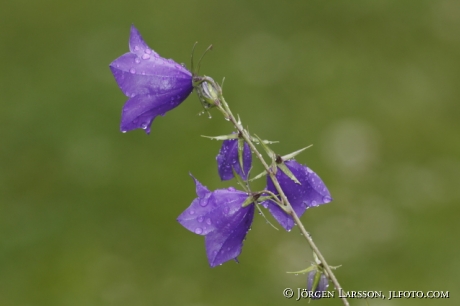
[[221, 218], [317, 283], [231, 156], [153, 84], [309, 193]]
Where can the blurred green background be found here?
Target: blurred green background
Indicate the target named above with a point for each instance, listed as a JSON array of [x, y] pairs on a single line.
[[87, 214]]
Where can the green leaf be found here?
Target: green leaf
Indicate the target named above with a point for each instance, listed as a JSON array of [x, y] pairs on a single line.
[[294, 154], [222, 137], [288, 172]]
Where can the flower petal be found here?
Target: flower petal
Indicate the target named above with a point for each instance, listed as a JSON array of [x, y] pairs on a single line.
[[211, 210], [137, 44], [155, 75], [311, 192], [226, 243], [140, 110], [228, 158]]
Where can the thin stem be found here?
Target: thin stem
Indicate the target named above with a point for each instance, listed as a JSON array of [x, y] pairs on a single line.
[[225, 109]]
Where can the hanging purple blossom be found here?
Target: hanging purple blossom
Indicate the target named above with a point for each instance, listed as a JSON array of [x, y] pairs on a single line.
[[220, 217], [309, 193], [322, 285], [153, 84], [228, 158]]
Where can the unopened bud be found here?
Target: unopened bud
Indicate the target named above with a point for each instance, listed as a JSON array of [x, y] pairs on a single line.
[[208, 93], [317, 283]]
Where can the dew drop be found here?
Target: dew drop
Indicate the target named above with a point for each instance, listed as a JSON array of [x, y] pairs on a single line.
[[145, 56], [147, 50], [144, 125], [183, 65], [137, 60], [203, 202], [314, 203], [309, 170], [132, 70], [123, 131], [200, 219], [327, 199], [192, 212], [208, 221], [136, 48], [231, 189], [198, 230]]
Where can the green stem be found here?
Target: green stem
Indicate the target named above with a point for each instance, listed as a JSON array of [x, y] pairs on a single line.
[[225, 109]]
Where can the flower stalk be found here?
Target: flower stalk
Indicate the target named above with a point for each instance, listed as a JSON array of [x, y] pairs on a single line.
[[224, 108]]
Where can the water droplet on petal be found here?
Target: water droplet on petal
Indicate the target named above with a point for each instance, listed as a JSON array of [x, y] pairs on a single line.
[[183, 65], [145, 56], [192, 212], [327, 199], [136, 48], [200, 219], [144, 125], [123, 131], [132, 70], [309, 170], [137, 60], [198, 230], [231, 189], [208, 221], [203, 202], [313, 203]]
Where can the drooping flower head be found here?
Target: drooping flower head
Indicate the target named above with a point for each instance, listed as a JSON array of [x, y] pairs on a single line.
[[228, 158], [309, 193], [220, 217], [317, 283], [153, 84]]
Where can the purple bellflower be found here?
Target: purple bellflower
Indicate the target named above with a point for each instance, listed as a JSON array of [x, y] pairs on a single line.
[[309, 193], [220, 217], [153, 84], [321, 285], [228, 158]]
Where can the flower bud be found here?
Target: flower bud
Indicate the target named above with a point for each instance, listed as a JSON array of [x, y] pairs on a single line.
[[317, 282], [208, 92]]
